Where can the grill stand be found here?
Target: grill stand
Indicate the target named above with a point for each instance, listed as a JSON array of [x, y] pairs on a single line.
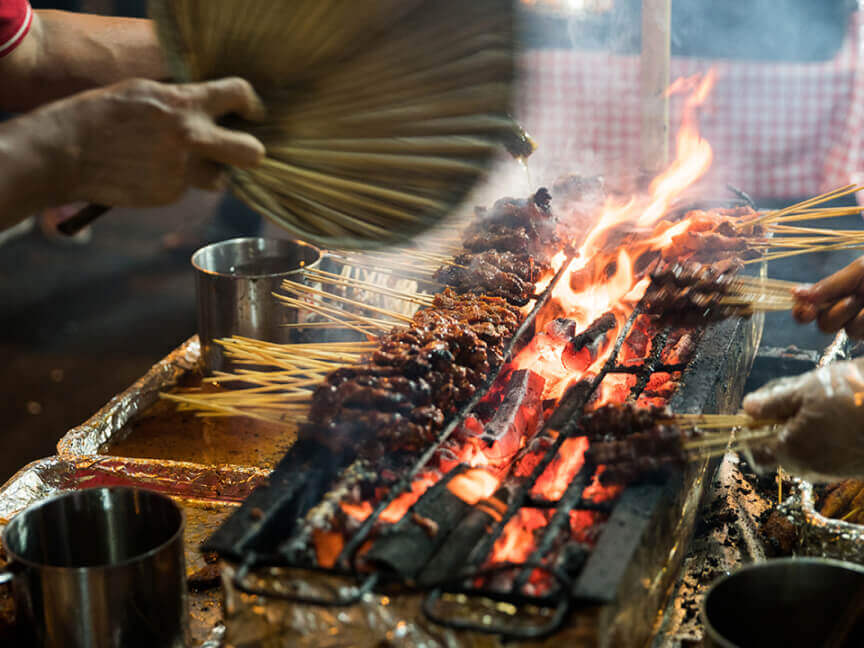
[[615, 600]]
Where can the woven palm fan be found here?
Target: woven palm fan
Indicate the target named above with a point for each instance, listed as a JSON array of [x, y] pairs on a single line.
[[382, 114]]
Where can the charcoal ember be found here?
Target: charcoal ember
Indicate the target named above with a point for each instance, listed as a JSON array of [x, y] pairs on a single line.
[[679, 347], [584, 348], [561, 329], [618, 421], [638, 341], [407, 546], [517, 416], [449, 557], [597, 328]]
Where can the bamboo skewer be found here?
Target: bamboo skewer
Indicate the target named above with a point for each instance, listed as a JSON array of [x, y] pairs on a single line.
[[816, 200], [299, 288]]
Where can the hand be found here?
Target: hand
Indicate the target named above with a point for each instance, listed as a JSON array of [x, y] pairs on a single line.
[[836, 302], [823, 420], [141, 143]]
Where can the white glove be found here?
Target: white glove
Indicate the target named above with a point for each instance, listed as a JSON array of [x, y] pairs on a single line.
[[823, 413]]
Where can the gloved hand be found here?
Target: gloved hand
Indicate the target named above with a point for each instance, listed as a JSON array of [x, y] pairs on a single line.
[[823, 420], [836, 302]]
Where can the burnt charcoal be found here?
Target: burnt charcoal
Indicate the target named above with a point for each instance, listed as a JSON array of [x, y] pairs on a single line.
[[570, 406], [596, 329], [573, 557], [561, 329], [517, 416], [405, 548], [452, 556]]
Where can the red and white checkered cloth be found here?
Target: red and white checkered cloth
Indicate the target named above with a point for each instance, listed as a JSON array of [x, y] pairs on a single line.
[[778, 130]]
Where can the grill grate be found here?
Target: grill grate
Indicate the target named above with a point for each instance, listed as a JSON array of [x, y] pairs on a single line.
[[462, 565]]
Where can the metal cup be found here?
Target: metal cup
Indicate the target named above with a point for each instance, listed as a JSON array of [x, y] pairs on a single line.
[[99, 568], [788, 602], [234, 283]]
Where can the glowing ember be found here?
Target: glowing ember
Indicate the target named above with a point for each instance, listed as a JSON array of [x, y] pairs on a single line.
[[328, 546], [558, 474], [398, 507], [357, 511], [517, 538], [614, 389], [473, 486]]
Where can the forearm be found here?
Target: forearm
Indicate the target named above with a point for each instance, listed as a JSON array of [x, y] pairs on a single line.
[[66, 53], [32, 174]]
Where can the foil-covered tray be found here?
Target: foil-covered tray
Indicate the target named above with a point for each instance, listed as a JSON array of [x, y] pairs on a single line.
[[820, 535], [139, 440], [137, 423], [206, 496], [92, 435]]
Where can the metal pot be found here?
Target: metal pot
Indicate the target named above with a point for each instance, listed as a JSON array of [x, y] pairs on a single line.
[[789, 602], [235, 281], [99, 568]]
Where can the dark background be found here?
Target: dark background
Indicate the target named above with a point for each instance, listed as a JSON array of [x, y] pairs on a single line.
[[81, 322]]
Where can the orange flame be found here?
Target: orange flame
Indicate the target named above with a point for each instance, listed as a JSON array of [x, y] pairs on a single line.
[[601, 278]]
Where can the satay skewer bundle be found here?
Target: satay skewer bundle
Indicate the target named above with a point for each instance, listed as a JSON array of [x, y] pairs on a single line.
[[633, 442]]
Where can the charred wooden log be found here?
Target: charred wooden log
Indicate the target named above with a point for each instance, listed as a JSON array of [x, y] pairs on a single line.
[[518, 415]]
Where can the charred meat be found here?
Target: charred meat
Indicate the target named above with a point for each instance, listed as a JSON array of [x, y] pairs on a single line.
[[632, 443], [693, 294], [420, 375], [505, 250]]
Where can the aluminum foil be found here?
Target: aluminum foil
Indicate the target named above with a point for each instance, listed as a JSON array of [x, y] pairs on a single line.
[[820, 535], [88, 438]]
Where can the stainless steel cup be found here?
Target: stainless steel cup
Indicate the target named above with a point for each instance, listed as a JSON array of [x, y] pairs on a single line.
[[788, 603], [234, 283], [99, 568]]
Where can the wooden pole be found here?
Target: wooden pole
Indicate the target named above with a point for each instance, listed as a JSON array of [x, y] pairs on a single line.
[[654, 69]]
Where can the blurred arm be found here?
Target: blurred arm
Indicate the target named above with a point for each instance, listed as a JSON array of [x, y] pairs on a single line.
[[65, 53]]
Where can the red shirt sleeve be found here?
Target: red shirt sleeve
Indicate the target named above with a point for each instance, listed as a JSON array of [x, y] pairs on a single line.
[[15, 19]]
